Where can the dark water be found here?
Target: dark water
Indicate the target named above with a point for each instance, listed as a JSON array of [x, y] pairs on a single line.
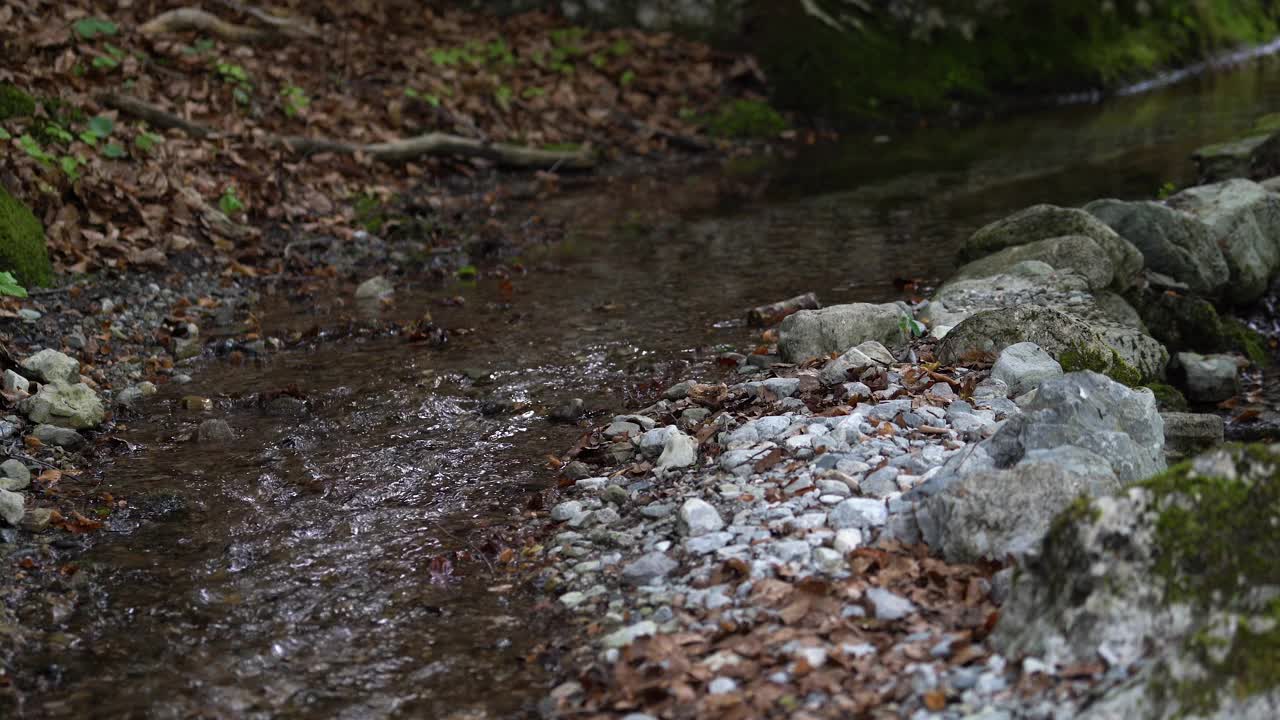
[[289, 574]]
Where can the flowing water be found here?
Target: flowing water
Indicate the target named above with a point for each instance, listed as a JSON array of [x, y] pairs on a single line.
[[290, 573]]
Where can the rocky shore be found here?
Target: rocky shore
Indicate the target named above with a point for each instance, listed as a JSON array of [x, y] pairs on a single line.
[[959, 509]]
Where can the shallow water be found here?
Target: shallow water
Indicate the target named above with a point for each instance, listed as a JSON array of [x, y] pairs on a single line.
[[289, 574]]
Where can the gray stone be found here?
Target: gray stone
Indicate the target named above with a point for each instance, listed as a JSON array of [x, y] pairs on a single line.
[[1060, 335], [651, 441], [995, 515], [1226, 160], [880, 483], [837, 371], [1041, 222], [1113, 582], [858, 513], [58, 403], [888, 606], [623, 637], [37, 519], [1210, 378], [1187, 433], [59, 436], [1244, 221], [877, 352], [52, 366], [15, 383], [647, 568], [698, 517], [14, 475], [375, 288], [566, 510], [215, 430], [11, 507], [1173, 243], [1023, 366], [679, 451], [1089, 411], [1072, 253], [816, 333]]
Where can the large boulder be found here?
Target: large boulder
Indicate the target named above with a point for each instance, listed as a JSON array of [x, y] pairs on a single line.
[[1125, 354], [1027, 283], [815, 333], [1172, 243], [1174, 580], [1090, 411], [1226, 160], [991, 515], [65, 405], [1244, 220], [1040, 222], [1072, 253]]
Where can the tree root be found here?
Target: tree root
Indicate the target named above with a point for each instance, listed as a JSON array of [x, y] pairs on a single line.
[[191, 18], [516, 156]]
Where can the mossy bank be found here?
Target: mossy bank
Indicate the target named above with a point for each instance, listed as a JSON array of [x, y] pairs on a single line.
[[22, 246]]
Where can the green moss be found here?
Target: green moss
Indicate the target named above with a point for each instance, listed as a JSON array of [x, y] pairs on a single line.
[[369, 212], [1268, 123], [746, 120], [1239, 336], [1106, 362], [15, 103], [22, 247], [883, 65], [1216, 545], [1168, 397]]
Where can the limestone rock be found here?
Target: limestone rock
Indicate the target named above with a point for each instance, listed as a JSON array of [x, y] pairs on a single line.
[[1209, 378], [1072, 253], [1173, 243], [52, 366], [1244, 220], [815, 333], [1040, 222], [11, 507], [1023, 366], [65, 405], [1187, 433]]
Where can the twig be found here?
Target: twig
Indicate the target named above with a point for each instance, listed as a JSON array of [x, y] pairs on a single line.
[[395, 151]]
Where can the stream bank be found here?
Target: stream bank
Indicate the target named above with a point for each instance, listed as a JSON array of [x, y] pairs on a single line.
[[311, 551]]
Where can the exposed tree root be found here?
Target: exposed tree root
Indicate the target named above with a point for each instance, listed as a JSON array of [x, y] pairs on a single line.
[[434, 143], [190, 18]]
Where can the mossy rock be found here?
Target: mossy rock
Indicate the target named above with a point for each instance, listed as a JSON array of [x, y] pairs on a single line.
[[1168, 397], [1242, 338], [15, 103], [1105, 361], [746, 120], [22, 246]]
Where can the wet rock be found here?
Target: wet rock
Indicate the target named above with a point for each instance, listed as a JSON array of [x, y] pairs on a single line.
[[375, 288], [1244, 221], [815, 333], [196, 403], [185, 348], [1041, 222], [59, 436], [1173, 580], [11, 507], [52, 366], [698, 517], [568, 412], [1209, 378], [1188, 433], [1073, 253], [130, 396], [36, 519], [286, 406], [1089, 411], [888, 606], [1226, 160], [1171, 242], [678, 451], [1023, 366], [647, 568], [59, 403], [994, 515], [14, 475], [215, 430]]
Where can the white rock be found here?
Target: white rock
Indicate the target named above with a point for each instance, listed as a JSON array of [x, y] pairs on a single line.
[[858, 513], [52, 366], [374, 288], [698, 517], [623, 637], [11, 507], [889, 606], [847, 540], [679, 451]]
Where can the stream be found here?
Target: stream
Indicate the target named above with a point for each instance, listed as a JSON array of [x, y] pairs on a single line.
[[289, 573]]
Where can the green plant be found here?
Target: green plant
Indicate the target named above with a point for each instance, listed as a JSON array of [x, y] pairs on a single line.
[[199, 47], [115, 151], [32, 147], [746, 119], [467, 272], [70, 164], [111, 60], [238, 78], [92, 27], [10, 286], [295, 100], [99, 128], [628, 77], [146, 141], [910, 326], [530, 93], [229, 203], [503, 97], [1166, 190]]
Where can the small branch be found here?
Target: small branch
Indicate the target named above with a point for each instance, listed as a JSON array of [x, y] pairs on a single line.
[[190, 18], [154, 115], [434, 143]]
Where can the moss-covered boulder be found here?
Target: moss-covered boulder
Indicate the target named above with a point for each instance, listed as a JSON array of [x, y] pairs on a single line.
[[22, 246], [1040, 222], [1174, 579]]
